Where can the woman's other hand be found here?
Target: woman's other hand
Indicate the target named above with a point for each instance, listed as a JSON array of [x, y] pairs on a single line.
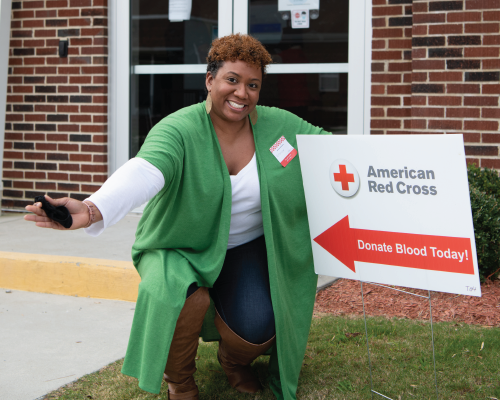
[[78, 210]]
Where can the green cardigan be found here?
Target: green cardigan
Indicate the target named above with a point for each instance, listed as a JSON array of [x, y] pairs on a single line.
[[183, 234]]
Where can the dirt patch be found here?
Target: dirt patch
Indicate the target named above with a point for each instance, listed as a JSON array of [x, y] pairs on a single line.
[[344, 298]]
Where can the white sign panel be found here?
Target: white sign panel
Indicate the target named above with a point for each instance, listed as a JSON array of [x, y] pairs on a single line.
[[391, 209], [179, 10], [289, 5], [300, 19]]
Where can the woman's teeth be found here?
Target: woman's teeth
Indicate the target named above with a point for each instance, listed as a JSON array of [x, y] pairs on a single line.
[[236, 105]]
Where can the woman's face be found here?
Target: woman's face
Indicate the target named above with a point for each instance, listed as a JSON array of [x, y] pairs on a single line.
[[235, 90]]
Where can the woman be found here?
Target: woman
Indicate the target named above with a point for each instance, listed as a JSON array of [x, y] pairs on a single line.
[[225, 218]]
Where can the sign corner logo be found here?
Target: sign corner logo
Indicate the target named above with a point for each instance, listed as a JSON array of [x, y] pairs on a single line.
[[344, 178]]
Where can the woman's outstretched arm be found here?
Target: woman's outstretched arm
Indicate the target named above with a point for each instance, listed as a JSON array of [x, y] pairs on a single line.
[[133, 184]]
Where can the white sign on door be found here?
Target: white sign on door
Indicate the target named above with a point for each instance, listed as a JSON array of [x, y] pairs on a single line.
[[391, 209], [289, 5]]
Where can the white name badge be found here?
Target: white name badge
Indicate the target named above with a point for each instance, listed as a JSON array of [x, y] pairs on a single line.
[[283, 151]]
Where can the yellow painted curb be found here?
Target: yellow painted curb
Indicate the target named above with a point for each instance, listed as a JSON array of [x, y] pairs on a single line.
[[84, 277]]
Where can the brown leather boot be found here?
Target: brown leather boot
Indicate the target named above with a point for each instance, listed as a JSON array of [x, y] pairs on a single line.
[[181, 357], [235, 356]]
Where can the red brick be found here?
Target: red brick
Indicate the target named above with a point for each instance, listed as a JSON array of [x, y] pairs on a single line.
[[378, 22], [57, 79], [33, 43], [489, 163], [90, 188], [99, 99], [102, 119], [34, 61], [67, 109], [400, 66], [415, 124], [388, 33], [47, 51], [394, 78], [464, 16], [68, 147], [481, 52], [46, 185], [45, 146], [445, 124], [419, 7], [407, 78], [385, 123], [481, 4], [80, 22], [80, 42], [445, 29], [15, 61], [93, 31], [491, 39], [94, 128], [462, 112], [94, 148], [400, 44], [94, 168], [35, 175], [103, 41], [15, 99], [399, 89], [33, 4], [14, 117], [44, 108], [491, 16], [491, 64], [69, 70], [480, 101], [398, 112], [491, 89], [470, 137], [33, 23], [80, 79], [429, 18], [14, 155], [23, 89], [427, 112], [34, 156], [462, 88], [68, 128], [57, 61], [94, 109], [80, 177], [52, 42], [34, 136], [80, 3], [46, 70], [100, 138], [23, 71], [57, 137], [446, 76], [409, 32], [15, 80], [80, 157], [23, 184], [13, 174], [383, 11], [58, 176], [491, 138], [481, 125], [489, 27], [419, 30], [428, 64], [94, 70], [80, 118], [103, 3], [491, 113], [57, 3], [419, 53], [45, 33], [69, 167], [23, 14], [35, 117], [68, 89], [74, 51], [69, 13]]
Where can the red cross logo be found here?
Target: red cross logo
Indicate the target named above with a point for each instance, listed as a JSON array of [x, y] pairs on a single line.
[[343, 177]]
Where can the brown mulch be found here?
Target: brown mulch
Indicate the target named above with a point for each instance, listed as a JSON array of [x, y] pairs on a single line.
[[344, 298]]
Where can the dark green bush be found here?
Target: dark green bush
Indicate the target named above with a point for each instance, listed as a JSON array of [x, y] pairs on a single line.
[[484, 189]]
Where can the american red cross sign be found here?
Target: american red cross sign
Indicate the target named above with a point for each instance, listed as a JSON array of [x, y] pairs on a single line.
[[391, 209]]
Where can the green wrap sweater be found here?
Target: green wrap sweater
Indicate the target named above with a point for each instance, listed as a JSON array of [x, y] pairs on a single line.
[[182, 238]]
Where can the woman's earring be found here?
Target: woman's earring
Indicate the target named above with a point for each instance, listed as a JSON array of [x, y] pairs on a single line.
[[254, 116], [208, 103]]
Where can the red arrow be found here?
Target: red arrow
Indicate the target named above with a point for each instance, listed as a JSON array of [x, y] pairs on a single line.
[[436, 253]]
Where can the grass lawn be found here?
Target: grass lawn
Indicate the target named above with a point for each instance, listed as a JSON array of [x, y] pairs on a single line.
[[336, 365]]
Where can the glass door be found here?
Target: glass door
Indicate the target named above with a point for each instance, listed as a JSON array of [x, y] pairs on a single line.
[[318, 51]]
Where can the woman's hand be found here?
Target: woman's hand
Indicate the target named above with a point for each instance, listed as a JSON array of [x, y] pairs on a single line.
[[78, 210]]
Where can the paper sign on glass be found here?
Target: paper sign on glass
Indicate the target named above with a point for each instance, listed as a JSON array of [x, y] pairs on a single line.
[[289, 5]]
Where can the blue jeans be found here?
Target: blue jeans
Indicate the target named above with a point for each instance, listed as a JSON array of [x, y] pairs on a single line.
[[242, 294]]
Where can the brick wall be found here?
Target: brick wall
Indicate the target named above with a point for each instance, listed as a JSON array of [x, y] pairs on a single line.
[[436, 69], [56, 120]]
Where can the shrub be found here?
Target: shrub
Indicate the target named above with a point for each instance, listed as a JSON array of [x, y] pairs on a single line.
[[484, 189]]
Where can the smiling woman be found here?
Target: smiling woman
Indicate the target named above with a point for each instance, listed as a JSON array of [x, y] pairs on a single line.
[[226, 221]]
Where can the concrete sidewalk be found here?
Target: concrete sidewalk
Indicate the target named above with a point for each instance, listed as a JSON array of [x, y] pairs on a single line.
[[48, 340]]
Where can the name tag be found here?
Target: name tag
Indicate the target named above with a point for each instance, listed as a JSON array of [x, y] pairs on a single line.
[[283, 151]]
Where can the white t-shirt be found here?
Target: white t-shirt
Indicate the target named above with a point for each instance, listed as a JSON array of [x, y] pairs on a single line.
[[138, 181]]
